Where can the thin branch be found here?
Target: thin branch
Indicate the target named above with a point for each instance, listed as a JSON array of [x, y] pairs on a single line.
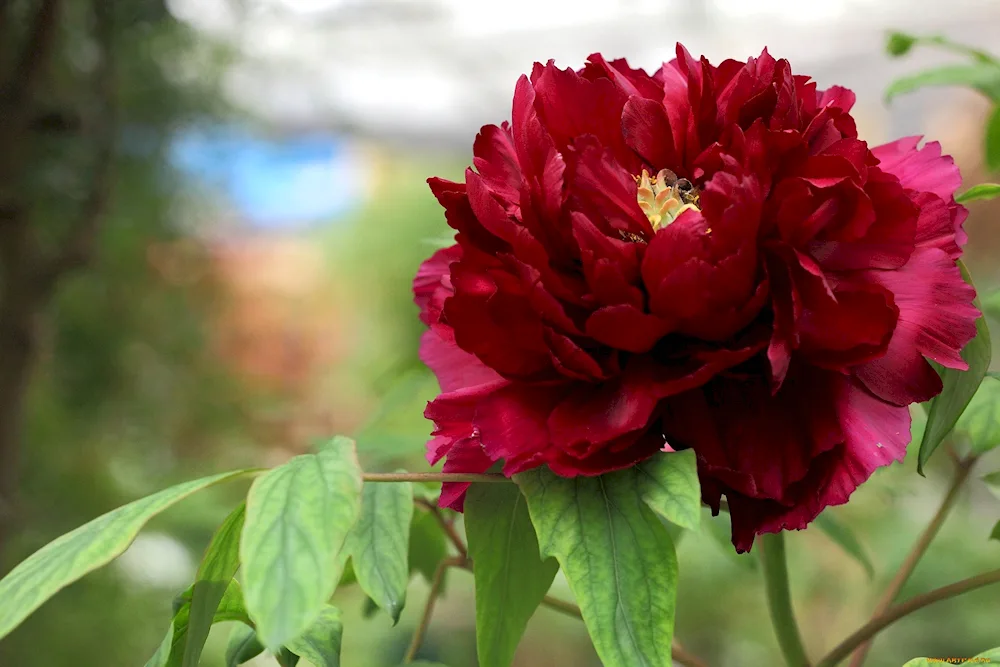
[[425, 619], [446, 526], [78, 247], [34, 55], [432, 477], [893, 614], [962, 470]]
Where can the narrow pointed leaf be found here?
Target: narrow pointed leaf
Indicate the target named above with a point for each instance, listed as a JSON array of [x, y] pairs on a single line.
[[217, 569], [92, 545], [511, 577], [844, 537], [320, 644], [380, 542], [617, 557], [171, 651], [669, 485], [297, 520], [944, 410], [286, 658], [981, 76], [243, 646], [983, 191]]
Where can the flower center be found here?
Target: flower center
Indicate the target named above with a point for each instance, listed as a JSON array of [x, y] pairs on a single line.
[[665, 197]]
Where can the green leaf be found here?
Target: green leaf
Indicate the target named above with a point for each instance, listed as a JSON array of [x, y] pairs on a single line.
[[424, 663], [844, 537], [286, 658], [320, 644], [511, 577], [92, 545], [995, 533], [992, 656], [993, 140], [243, 646], [992, 482], [981, 76], [981, 420], [298, 518], [959, 387], [976, 192], [380, 543], [217, 569], [171, 651], [617, 557], [669, 485], [428, 545]]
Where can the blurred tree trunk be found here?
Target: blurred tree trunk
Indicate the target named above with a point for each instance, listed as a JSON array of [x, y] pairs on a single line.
[[32, 263]]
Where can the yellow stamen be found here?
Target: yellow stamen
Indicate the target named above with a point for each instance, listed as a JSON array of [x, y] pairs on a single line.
[[661, 198]]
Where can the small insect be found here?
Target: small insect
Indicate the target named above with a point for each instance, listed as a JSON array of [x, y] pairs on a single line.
[[687, 192]]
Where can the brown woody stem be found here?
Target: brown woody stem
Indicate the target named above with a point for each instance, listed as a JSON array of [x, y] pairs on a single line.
[[962, 469], [893, 614]]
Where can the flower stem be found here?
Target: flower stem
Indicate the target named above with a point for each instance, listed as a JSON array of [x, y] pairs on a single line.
[[431, 477], [893, 614], [446, 526], [945, 43], [779, 600], [962, 469]]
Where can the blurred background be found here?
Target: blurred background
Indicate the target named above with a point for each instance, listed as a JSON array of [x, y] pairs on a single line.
[[211, 215]]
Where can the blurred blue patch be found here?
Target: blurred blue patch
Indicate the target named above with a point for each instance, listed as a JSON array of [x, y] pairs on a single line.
[[287, 183]]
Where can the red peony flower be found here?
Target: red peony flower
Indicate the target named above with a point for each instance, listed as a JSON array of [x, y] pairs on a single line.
[[705, 258]]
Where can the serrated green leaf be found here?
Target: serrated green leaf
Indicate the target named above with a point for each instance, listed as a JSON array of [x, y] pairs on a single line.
[[171, 651], [297, 520], [981, 420], [669, 484], [320, 644], [217, 569], [844, 537], [981, 76], [511, 577], [944, 410], [92, 545], [993, 140], [617, 557], [379, 545], [428, 545], [985, 191], [243, 646]]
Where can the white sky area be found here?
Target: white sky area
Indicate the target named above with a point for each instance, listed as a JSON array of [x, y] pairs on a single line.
[[442, 68]]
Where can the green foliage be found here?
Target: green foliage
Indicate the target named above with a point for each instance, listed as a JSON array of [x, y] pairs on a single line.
[[85, 549], [844, 537], [669, 485], [899, 44], [944, 410], [320, 644], [511, 577], [720, 530], [991, 657], [992, 481], [243, 646], [428, 545], [983, 77], [171, 651], [983, 191], [297, 519], [993, 140], [379, 544], [980, 422], [217, 569], [995, 533], [617, 557]]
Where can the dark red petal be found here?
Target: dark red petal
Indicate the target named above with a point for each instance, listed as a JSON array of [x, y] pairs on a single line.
[[604, 191], [496, 160], [630, 81], [512, 424], [625, 327], [454, 367], [648, 132], [433, 279], [610, 265]]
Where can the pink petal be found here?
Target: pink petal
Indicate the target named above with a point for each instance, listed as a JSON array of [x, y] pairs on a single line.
[[923, 170]]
